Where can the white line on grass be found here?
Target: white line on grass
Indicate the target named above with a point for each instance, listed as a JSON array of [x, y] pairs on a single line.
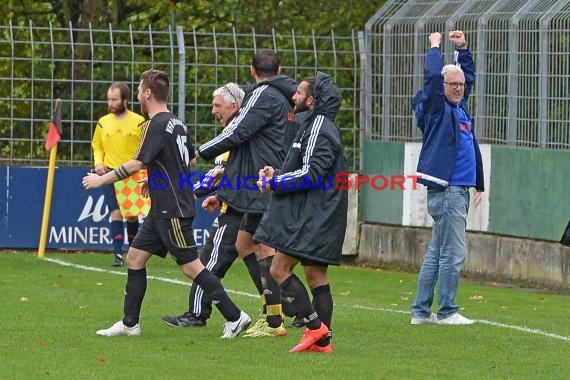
[[525, 329], [188, 283], [483, 321], [163, 279]]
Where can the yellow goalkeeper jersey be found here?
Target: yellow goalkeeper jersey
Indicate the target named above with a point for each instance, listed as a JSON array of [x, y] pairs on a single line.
[[116, 141]]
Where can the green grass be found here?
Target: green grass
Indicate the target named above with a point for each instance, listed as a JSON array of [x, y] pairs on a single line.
[[50, 313]]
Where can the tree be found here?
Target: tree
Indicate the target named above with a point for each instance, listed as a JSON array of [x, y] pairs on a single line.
[[343, 16]]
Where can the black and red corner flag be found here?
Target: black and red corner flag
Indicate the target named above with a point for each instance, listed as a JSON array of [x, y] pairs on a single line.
[[54, 132]]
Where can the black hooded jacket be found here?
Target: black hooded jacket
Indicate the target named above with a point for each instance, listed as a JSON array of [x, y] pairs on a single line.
[[258, 136], [307, 216]]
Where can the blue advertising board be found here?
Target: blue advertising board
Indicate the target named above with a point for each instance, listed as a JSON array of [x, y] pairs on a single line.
[[3, 205], [79, 219]]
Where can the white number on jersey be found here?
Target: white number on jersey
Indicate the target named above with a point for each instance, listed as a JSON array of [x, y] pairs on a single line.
[[183, 149]]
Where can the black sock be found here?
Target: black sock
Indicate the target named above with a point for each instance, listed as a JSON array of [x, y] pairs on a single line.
[[297, 293], [287, 307], [215, 291], [117, 234], [323, 305], [192, 297], [198, 302], [132, 229], [252, 265], [272, 294], [134, 295]]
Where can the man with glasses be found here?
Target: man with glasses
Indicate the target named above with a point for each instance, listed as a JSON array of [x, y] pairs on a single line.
[[449, 165], [259, 135]]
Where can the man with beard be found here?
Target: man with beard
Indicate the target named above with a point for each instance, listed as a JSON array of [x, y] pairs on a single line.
[[166, 149], [116, 138], [307, 216], [259, 135], [220, 252]]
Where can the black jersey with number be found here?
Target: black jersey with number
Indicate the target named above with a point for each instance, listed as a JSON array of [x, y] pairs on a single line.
[[166, 149]]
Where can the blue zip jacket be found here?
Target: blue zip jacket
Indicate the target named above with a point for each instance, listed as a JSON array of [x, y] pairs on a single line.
[[439, 125]]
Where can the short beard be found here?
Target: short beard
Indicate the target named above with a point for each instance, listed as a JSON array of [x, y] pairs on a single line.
[[117, 110], [300, 108]]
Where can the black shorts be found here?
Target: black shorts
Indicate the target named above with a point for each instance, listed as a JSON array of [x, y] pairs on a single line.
[[159, 236], [249, 222], [312, 263], [110, 197], [304, 261]]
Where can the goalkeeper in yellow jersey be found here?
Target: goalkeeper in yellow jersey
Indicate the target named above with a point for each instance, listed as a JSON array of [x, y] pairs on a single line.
[[115, 141]]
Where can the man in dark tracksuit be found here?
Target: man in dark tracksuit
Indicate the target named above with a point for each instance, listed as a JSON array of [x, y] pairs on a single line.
[[259, 135], [307, 217]]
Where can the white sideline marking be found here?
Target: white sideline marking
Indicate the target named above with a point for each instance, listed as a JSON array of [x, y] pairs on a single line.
[[188, 283], [525, 329], [483, 321], [163, 279]]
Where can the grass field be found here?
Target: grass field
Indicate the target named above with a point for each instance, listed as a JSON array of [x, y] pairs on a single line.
[[52, 308]]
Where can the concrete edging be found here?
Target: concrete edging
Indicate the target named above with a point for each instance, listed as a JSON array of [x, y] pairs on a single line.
[[501, 258]]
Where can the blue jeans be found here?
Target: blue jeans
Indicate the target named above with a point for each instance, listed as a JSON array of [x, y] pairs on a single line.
[[445, 253]]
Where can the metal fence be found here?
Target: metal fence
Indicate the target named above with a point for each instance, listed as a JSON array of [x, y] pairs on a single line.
[[521, 95], [41, 63]]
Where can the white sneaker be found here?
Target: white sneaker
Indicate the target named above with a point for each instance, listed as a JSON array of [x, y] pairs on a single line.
[[120, 329], [419, 320], [455, 319], [233, 329]]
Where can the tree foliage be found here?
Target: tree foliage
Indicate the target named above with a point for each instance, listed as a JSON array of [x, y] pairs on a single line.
[[83, 78], [343, 16]]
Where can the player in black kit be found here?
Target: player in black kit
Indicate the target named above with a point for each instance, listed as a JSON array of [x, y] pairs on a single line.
[[166, 150]]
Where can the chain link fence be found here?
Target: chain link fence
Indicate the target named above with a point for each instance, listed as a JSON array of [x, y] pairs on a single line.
[[520, 47], [41, 63]]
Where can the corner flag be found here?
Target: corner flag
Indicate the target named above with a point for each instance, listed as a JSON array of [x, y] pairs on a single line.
[[54, 132], [54, 135]]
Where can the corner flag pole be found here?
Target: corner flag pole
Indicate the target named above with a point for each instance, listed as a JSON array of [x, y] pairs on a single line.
[[54, 135]]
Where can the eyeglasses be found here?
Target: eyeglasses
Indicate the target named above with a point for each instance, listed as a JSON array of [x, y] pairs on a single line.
[[231, 93], [455, 84]]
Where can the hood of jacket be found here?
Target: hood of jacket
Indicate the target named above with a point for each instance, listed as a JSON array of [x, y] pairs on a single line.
[[284, 84], [327, 96]]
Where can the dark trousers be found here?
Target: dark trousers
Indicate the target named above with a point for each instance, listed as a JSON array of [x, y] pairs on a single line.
[[218, 255]]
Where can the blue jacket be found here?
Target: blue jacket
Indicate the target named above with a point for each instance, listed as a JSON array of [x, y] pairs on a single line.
[[439, 125]]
